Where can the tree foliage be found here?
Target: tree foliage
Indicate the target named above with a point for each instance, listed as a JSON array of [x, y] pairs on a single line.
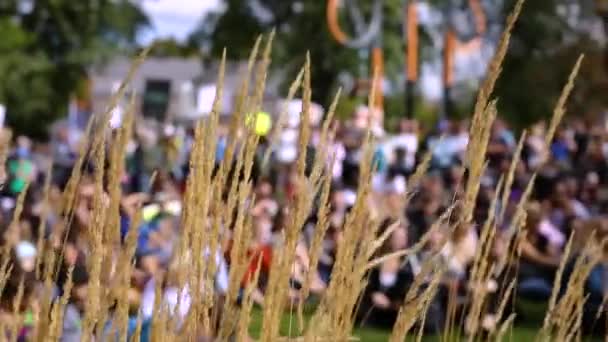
[[547, 40], [300, 28], [545, 43], [47, 47]]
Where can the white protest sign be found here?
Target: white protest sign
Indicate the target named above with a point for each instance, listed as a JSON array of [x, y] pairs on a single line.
[[2, 114], [117, 112], [116, 119], [205, 98]]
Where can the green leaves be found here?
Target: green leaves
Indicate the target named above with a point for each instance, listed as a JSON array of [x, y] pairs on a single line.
[[45, 54]]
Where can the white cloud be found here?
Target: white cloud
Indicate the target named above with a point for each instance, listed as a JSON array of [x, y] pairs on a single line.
[[175, 18]]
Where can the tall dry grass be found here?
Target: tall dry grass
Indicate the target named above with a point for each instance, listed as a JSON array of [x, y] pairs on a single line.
[[210, 212]]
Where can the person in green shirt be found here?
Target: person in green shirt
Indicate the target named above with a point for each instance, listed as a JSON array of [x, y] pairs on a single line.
[[21, 169]]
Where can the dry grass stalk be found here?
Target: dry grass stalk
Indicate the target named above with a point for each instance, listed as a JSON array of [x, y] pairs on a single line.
[[282, 263], [560, 107], [247, 304], [212, 143], [560, 321], [483, 266], [200, 276], [416, 302], [557, 284], [495, 66], [483, 117], [480, 132], [506, 295], [417, 247], [115, 172], [160, 312], [56, 324], [17, 212], [504, 327], [576, 322], [319, 179], [320, 166], [280, 122], [236, 121], [95, 241], [17, 303], [333, 317], [261, 75], [322, 181], [511, 176], [238, 259], [44, 213], [5, 144], [69, 193], [418, 175], [47, 293], [123, 275], [5, 272], [138, 327]]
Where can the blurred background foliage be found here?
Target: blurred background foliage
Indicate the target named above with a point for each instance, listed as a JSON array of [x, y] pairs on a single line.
[[545, 44], [48, 46]]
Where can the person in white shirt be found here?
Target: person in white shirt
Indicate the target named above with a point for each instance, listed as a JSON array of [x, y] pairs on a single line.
[[406, 140], [171, 294]]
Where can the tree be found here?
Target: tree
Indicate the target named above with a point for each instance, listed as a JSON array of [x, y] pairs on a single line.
[[547, 39], [47, 47], [545, 44], [170, 47], [300, 28]]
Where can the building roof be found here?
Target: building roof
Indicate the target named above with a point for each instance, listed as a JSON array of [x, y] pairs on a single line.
[[176, 70]]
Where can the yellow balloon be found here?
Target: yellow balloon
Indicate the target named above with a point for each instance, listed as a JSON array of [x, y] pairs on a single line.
[[263, 123]]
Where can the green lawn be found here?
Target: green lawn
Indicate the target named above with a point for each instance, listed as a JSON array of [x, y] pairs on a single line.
[[289, 328]]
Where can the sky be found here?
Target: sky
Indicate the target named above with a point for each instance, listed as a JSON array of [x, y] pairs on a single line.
[[175, 18]]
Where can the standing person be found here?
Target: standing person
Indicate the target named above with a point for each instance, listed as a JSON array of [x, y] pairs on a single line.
[[536, 151], [403, 147], [74, 311], [65, 152], [21, 169], [148, 157], [451, 148]]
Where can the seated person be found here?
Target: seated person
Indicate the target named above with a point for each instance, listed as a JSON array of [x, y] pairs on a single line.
[[74, 311], [540, 254], [387, 284]]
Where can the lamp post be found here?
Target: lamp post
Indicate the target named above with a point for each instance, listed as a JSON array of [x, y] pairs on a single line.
[[368, 36], [601, 7], [465, 24], [410, 34]]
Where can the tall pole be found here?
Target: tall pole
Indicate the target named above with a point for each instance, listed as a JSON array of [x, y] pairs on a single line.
[[453, 43], [411, 59], [601, 7], [449, 48], [369, 37]]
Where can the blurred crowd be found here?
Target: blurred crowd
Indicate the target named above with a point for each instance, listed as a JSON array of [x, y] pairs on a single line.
[[571, 194]]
